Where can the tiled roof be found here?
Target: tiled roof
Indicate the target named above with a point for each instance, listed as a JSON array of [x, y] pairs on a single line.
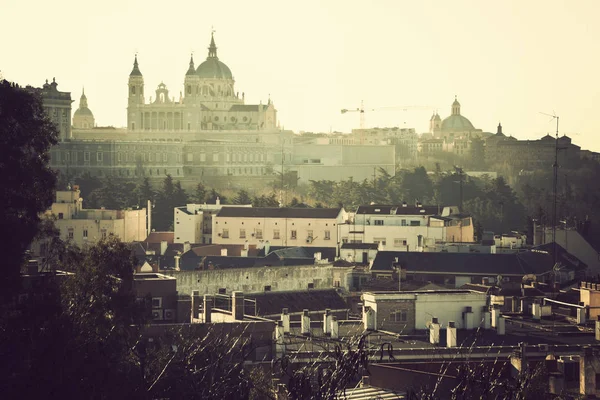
[[244, 107], [233, 250], [527, 262], [275, 212], [270, 303], [157, 237], [382, 209]]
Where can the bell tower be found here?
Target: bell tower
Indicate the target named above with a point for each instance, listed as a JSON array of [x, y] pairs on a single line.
[[136, 98]]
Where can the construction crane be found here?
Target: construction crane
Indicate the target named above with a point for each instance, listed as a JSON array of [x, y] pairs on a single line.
[[362, 110]]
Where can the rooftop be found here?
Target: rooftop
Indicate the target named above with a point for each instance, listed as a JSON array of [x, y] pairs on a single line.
[[275, 212]]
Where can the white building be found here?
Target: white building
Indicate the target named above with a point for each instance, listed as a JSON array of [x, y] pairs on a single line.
[[306, 227], [408, 311], [407, 228], [193, 222], [87, 226]]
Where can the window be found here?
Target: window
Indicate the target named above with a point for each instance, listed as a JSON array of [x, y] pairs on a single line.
[[400, 242], [378, 222], [275, 233], [311, 285], [133, 90], [403, 222], [103, 233], [99, 156], [344, 240], [415, 223], [379, 240], [118, 157], [202, 157], [164, 157], [156, 302], [267, 288], [309, 234], [190, 157], [242, 233], [259, 233], [293, 235], [86, 156], [189, 89], [225, 234], [215, 157], [85, 233], [70, 233], [398, 316], [61, 215], [327, 235]]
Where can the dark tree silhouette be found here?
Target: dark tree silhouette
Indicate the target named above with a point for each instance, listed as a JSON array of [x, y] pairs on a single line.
[[27, 182]]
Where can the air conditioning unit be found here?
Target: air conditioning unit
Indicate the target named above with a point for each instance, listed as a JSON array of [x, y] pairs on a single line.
[[169, 315], [157, 315]]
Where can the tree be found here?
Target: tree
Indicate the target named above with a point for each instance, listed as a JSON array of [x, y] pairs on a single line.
[[242, 198], [26, 179], [200, 193], [145, 192]]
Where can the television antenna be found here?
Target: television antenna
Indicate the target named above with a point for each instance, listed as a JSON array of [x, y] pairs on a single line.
[[554, 184]]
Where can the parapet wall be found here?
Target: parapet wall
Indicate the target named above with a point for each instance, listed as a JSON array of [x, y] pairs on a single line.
[[253, 280]]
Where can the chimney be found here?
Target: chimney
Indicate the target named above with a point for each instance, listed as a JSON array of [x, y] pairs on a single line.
[[369, 319], [163, 247], [196, 301], [327, 322], [434, 331], [237, 305], [495, 315], [581, 315], [469, 318], [187, 247], [501, 326], [334, 328], [244, 253], [451, 334], [487, 318], [32, 267], [279, 339], [267, 247], [224, 252], [305, 323], [588, 368], [177, 257], [365, 381], [597, 327], [218, 201], [285, 318], [208, 305]]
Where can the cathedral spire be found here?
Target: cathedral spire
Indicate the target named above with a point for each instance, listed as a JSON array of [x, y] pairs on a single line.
[[136, 70], [191, 69], [83, 100], [212, 50]]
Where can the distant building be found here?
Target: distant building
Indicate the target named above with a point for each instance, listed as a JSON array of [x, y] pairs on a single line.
[[193, 222], [87, 226], [406, 227], [454, 126], [58, 106], [306, 227], [83, 117], [209, 102]]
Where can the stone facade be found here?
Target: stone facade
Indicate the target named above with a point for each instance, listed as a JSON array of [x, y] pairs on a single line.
[[58, 106]]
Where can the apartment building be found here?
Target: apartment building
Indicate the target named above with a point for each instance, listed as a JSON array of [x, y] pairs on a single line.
[[193, 222], [306, 227], [86, 226], [406, 227]]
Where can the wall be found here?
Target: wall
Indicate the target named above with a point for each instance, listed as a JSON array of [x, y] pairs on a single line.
[[252, 280], [187, 226], [285, 226], [449, 307]]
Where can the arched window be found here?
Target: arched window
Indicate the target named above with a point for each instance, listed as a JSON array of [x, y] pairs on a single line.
[[133, 90]]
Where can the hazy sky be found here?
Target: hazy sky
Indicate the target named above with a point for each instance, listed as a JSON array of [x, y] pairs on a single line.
[[506, 61]]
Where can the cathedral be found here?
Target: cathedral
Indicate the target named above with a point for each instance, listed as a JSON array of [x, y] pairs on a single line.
[[453, 127], [83, 117], [209, 102]]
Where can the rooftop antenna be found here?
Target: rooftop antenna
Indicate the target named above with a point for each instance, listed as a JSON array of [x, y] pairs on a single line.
[[554, 185]]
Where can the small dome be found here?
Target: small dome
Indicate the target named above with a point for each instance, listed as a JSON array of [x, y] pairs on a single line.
[[80, 112], [457, 123], [213, 68]]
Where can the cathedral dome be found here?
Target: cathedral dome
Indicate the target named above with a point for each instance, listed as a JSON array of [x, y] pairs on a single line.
[[457, 123], [212, 67], [83, 112]]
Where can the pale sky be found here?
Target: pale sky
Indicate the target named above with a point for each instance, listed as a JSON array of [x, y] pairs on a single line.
[[506, 61]]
